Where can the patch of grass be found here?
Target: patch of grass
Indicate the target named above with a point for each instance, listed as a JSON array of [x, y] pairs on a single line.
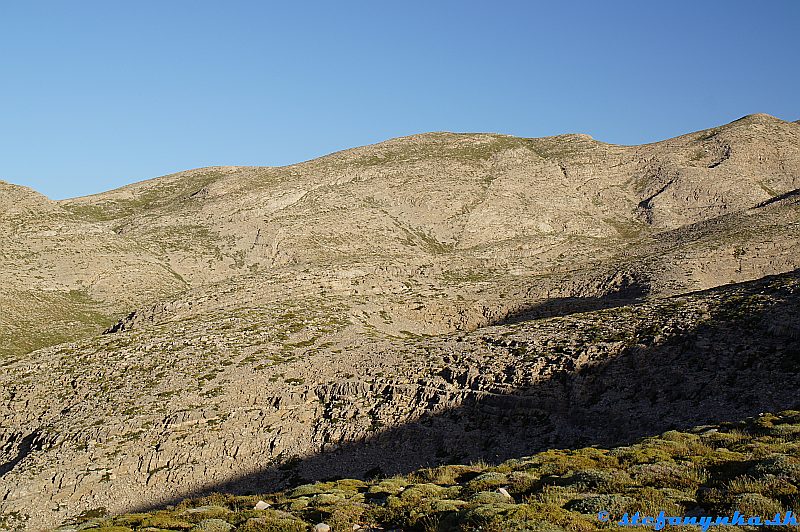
[[628, 229], [38, 318]]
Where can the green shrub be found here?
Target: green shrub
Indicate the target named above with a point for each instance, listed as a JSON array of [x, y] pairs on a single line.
[[213, 499], [274, 521], [522, 482], [616, 505], [778, 465], [489, 497], [200, 513], [309, 490], [418, 492], [350, 484], [677, 436], [446, 505], [131, 520], [538, 516], [641, 454], [487, 481], [727, 439], [344, 516], [651, 501], [669, 475], [769, 486], [723, 457], [213, 525], [483, 513], [448, 474], [785, 430], [558, 462], [165, 520], [388, 486], [555, 495], [406, 508], [755, 504], [326, 499], [598, 480], [298, 504]]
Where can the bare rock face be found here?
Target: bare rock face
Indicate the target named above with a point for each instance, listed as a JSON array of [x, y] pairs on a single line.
[[435, 298], [719, 171]]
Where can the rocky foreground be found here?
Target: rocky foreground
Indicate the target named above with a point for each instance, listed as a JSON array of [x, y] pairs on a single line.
[[431, 300], [751, 467]]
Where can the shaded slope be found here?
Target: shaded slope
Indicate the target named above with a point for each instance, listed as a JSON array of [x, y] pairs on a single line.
[[749, 466]]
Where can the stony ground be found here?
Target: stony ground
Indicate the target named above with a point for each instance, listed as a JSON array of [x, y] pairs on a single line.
[[752, 467], [441, 298]]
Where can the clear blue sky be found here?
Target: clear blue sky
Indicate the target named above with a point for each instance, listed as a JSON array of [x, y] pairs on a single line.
[[97, 94]]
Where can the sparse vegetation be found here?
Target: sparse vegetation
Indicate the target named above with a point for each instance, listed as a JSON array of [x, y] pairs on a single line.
[[473, 287], [751, 466]]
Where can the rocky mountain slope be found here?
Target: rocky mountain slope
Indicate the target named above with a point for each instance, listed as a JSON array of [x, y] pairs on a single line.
[[413, 300]]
